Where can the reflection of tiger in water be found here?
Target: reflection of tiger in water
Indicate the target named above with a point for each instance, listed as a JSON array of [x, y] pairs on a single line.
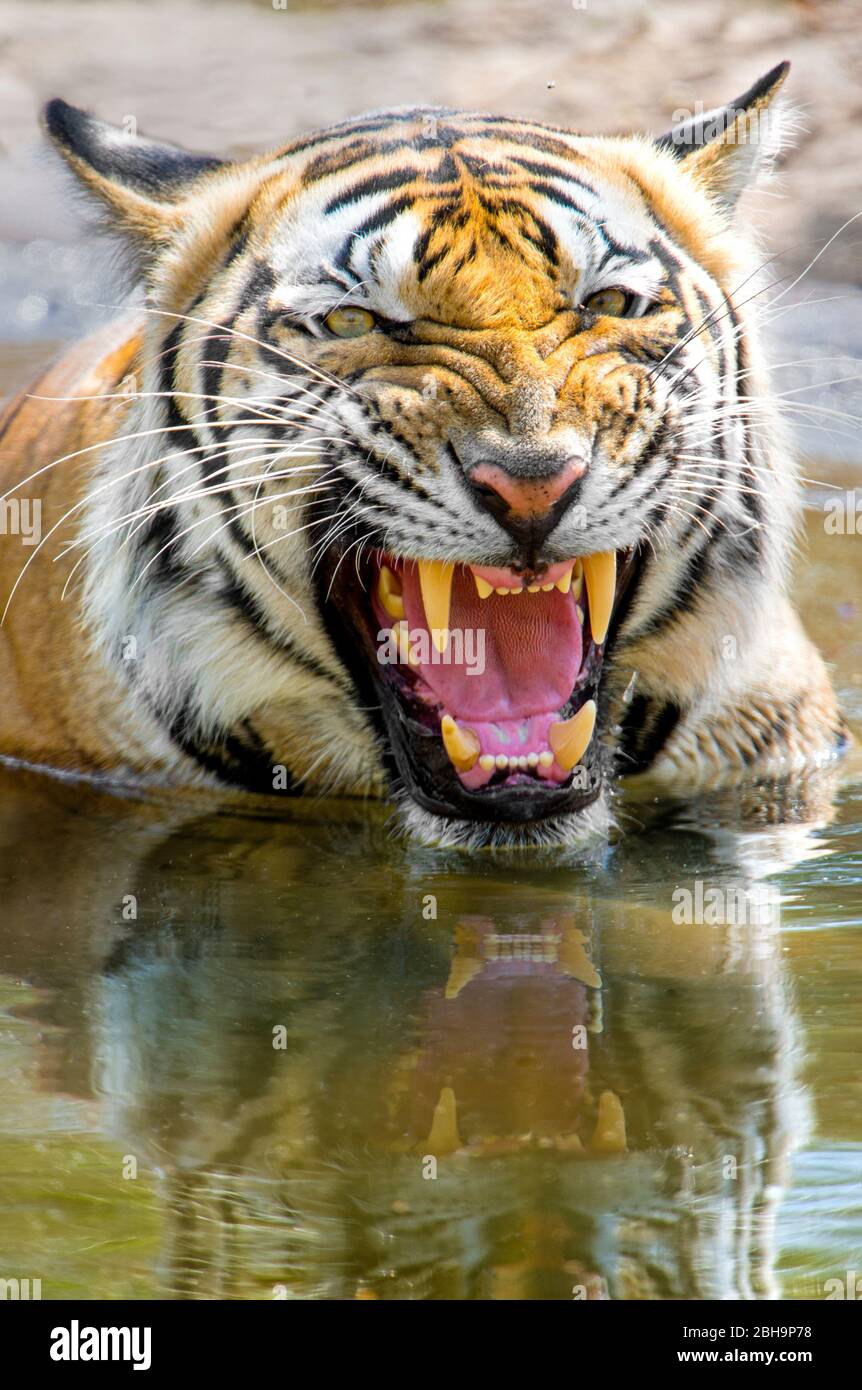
[[421, 376], [611, 1099]]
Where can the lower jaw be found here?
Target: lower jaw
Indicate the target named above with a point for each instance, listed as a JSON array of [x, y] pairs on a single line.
[[437, 806], [427, 775], [577, 829]]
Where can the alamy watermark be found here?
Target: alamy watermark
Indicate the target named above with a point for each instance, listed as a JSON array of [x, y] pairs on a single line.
[[732, 124], [842, 515], [20, 1290], [725, 905], [21, 516], [77, 1343], [419, 647]]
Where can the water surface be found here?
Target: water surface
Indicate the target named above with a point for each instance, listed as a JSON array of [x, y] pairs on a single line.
[[248, 1057]]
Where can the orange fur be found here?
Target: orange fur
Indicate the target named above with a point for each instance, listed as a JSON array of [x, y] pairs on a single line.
[[487, 341], [59, 706]]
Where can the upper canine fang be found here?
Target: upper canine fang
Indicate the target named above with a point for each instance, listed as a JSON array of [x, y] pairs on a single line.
[[390, 593], [435, 583], [600, 572]]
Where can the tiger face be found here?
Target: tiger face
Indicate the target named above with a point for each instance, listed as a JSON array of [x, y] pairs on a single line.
[[459, 439]]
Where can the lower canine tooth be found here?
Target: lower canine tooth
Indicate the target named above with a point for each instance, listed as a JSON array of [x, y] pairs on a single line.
[[600, 572], [609, 1136], [435, 583], [570, 738], [389, 592], [444, 1137], [462, 745]]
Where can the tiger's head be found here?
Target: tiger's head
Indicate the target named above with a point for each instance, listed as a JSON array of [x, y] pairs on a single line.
[[439, 432]]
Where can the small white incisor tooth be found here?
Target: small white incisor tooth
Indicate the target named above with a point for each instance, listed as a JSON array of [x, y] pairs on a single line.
[[534, 588], [487, 762], [570, 738], [390, 593], [545, 759], [600, 572], [546, 588], [501, 591], [532, 760], [435, 583], [501, 760], [461, 744], [564, 583], [483, 588]]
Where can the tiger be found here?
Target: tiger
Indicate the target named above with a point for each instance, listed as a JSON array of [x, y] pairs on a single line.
[[435, 463]]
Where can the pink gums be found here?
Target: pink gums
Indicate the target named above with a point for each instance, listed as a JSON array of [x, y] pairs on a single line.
[[533, 648]]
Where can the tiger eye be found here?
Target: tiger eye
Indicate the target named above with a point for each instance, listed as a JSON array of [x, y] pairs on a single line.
[[613, 302], [349, 322]]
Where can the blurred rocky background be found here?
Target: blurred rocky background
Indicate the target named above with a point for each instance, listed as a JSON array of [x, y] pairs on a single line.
[[236, 76]]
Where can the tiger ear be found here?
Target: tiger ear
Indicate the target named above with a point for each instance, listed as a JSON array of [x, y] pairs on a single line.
[[139, 181], [725, 149]]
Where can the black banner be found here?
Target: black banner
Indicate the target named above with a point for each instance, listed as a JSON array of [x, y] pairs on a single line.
[[153, 1338]]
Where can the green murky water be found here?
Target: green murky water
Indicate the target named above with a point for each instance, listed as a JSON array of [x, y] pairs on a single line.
[[258, 1058]]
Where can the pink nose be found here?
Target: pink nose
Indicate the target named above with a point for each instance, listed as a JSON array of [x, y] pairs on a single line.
[[528, 497]]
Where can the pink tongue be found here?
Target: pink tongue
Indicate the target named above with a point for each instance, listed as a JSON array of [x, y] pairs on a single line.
[[532, 651]]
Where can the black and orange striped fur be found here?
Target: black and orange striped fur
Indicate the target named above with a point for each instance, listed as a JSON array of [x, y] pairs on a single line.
[[223, 473]]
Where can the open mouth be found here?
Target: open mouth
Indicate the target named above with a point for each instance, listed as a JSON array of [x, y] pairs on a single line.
[[487, 679]]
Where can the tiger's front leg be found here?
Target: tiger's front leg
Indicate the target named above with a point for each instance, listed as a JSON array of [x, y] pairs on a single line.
[[757, 704]]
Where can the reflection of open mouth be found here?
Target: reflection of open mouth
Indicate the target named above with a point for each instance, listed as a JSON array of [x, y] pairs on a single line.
[[488, 678]]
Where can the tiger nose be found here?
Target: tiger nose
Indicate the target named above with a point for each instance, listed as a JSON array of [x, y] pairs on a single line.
[[515, 499]]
